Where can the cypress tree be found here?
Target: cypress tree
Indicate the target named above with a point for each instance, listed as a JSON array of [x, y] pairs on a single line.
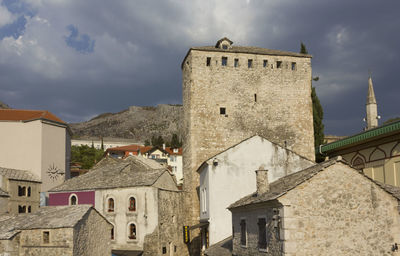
[[318, 113]]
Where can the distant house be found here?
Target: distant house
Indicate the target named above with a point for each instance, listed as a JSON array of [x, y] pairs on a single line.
[[106, 142], [19, 191], [36, 141], [326, 209], [138, 196], [165, 155], [230, 175], [62, 230]]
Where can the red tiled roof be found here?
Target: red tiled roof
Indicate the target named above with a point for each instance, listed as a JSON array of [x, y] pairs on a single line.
[[27, 115], [171, 151]]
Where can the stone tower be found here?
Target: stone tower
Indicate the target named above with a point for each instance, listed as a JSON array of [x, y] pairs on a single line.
[[231, 93], [371, 106]]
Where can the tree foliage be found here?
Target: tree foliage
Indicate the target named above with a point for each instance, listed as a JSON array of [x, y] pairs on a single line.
[[86, 156], [318, 113], [175, 143], [157, 141]]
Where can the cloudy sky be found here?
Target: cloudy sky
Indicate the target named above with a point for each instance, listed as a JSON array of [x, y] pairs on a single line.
[[82, 58]]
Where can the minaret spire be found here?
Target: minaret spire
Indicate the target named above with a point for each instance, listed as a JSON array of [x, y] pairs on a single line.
[[371, 106]]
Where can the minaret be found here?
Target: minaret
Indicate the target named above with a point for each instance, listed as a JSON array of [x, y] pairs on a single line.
[[371, 106]]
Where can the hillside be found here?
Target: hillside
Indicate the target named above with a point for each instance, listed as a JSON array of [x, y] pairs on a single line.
[[3, 105], [138, 123]]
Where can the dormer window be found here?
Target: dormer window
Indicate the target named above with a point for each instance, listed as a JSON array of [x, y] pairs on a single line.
[[224, 43]]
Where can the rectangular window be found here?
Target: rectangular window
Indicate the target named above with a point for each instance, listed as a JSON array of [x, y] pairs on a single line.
[[279, 64], [164, 250], [262, 234], [265, 63], [250, 63], [243, 235], [224, 61], [46, 237], [255, 97], [222, 111], [236, 63], [208, 61], [293, 65]]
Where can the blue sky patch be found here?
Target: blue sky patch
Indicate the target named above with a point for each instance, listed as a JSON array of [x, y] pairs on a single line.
[[18, 7], [14, 29], [80, 42]]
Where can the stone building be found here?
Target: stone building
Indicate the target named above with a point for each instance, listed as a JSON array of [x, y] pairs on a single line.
[[230, 175], [376, 150], [19, 191], [55, 231], [36, 141], [138, 196], [231, 93], [326, 209]]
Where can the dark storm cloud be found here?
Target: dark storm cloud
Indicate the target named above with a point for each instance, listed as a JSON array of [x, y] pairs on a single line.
[[139, 46]]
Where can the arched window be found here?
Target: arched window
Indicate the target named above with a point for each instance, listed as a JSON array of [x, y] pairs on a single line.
[[132, 204], [132, 231], [21, 191], [29, 209], [110, 205], [29, 191], [73, 200]]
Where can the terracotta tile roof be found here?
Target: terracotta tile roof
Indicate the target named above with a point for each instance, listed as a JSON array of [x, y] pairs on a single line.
[[171, 151], [27, 115], [14, 174]]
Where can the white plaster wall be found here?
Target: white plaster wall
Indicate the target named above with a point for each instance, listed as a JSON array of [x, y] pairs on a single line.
[[179, 169], [54, 153], [234, 177], [21, 146], [145, 217]]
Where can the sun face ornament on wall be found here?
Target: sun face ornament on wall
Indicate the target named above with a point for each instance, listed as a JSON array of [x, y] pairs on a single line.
[[54, 172]]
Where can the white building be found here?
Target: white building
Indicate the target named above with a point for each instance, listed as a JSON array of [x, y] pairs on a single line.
[[230, 175], [35, 141], [107, 142]]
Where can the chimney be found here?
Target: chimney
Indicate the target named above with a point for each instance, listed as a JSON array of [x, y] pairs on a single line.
[[262, 181], [163, 146]]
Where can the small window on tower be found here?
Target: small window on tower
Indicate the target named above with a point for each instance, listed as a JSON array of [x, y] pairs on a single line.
[[255, 97], [222, 111], [279, 64], [236, 63], [164, 250], [225, 47], [224, 61], [250, 63], [46, 237], [265, 63], [293, 65], [208, 61]]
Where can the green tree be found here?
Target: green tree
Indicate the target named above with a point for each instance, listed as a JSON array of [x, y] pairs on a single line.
[[318, 113], [175, 143], [147, 143], [102, 144], [86, 156]]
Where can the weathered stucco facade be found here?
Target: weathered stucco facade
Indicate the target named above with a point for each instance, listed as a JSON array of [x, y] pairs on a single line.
[[231, 94], [333, 210], [230, 175]]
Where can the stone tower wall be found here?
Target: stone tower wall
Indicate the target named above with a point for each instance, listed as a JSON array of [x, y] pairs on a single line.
[[281, 111]]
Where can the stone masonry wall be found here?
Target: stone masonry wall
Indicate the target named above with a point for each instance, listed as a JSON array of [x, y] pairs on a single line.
[[169, 234], [33, 200], [92, 236], [251, 215], [31, 242], [10, 247], [339, 212], [281, 112]]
